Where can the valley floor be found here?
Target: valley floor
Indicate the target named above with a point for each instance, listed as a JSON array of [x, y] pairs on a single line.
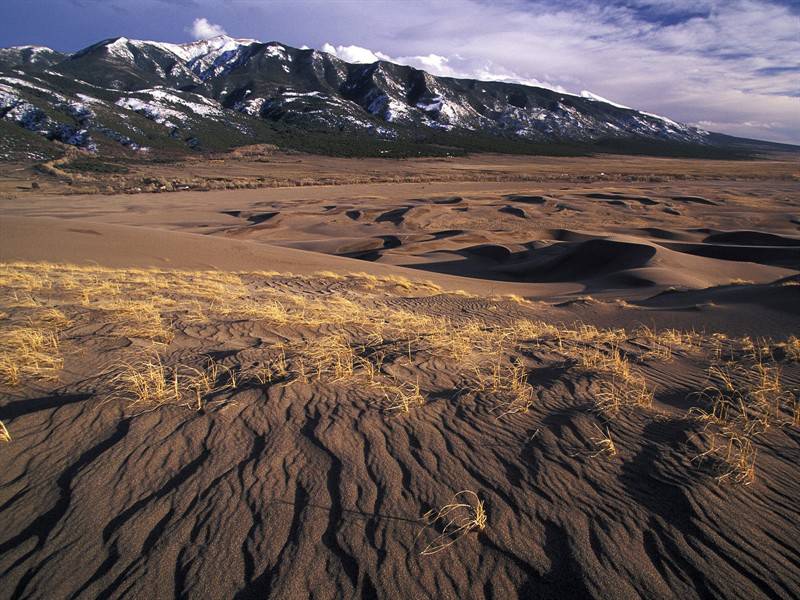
[[580, 385]]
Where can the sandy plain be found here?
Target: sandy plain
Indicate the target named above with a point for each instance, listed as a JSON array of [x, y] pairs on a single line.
[[481, 377]]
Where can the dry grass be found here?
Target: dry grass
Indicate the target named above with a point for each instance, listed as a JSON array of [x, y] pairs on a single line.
[[332, 355], [792, 348], [351, 331], [234, 170], [515, 298], [596, 359], [271, 369], [29, 353], [619, 385], [518, 389], [465, 513], [613, 395], [508, 384], [137, 318], [661, 344], [402, 397], [5, 436], [399, 281], [751, 396], [151, 382], [741, 403], [736, 454], [52, 317], [604, 443]]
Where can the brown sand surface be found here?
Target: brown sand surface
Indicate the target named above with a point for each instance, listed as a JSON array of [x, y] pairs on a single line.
[[89, 242], [275, 392]]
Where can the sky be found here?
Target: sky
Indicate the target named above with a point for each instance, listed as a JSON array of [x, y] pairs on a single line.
[[731, 66]]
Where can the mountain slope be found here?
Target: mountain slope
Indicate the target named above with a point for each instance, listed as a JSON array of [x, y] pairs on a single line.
[[28, 56], [131, 95]]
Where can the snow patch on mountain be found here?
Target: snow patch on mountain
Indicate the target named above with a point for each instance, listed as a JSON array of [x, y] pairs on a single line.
[[214, 57], [89, 99], [30, 117], [251, 106], [35, 53], [669, 122], [276, 51], [221, 43], [153, 110], [15, 81], [201, 106], [594, 97], [119, 49]]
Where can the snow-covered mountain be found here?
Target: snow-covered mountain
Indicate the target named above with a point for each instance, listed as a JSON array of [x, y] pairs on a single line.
[[224, 92]]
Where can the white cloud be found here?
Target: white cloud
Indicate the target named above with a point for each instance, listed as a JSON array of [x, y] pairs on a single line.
[[436, 64], [354, 54], [202, 29]]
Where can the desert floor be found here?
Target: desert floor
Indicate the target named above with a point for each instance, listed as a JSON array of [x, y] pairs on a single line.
[[465, 378]]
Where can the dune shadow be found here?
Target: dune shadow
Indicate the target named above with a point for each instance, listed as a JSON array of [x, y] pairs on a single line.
[[18, 408]]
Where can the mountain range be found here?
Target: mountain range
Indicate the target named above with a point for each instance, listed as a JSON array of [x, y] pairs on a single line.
[[130, 96]]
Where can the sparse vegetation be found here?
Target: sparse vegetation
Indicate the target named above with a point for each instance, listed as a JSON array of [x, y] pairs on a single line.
[[402, 397], [604, 443], [87, 165], [463, 514], [508, 384], [661, 344], [792, 348], [150, 382], [359, 338], [28, 353], [619, 385], [742, 403]]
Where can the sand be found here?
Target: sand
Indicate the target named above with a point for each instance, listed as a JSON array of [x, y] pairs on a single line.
[[343, 408]]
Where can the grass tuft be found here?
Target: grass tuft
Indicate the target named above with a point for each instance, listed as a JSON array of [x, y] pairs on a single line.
[[402, 397], [29, 353], [742, 403], [605, 443], [151, 383], [465, 513]]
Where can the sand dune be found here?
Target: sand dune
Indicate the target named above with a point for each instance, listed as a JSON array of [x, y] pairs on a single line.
[[276, 470], [84, 242], [566, 388], [751, 238]]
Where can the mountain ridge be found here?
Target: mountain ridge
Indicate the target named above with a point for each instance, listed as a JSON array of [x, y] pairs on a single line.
[[121, 94]]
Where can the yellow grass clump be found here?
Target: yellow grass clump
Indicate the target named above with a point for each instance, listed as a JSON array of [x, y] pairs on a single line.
[[359, 331], [136, 319], [792, 348], [619, 384], [465, 513], [152, 383], [507, 383], [28, 352], [604, 443], [402, 397], [662, 343], [332, 355], [751, 396], [741, 403]]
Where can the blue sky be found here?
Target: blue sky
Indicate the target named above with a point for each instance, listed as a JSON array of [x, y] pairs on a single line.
[[726, 65]]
